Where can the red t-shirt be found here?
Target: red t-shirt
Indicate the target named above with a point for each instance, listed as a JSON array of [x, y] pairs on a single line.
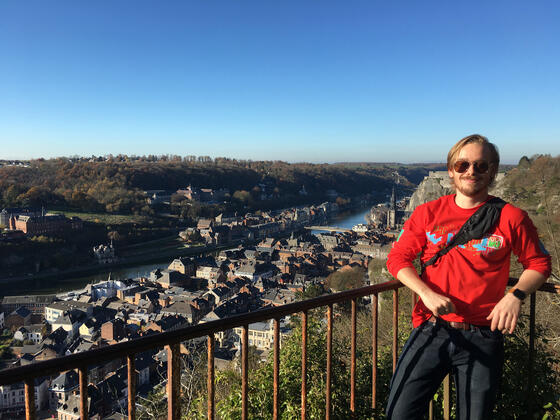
[[474, 275]]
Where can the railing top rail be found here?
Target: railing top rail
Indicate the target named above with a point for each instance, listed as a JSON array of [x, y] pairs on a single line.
[[122, 349]]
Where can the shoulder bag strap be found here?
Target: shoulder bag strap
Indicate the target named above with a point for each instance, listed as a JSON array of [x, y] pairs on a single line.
[[474, 228]]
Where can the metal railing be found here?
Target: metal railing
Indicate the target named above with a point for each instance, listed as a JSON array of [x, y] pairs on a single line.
[[172, 339]]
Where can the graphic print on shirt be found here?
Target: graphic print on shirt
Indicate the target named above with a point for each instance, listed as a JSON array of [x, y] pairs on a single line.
[[442, 235]]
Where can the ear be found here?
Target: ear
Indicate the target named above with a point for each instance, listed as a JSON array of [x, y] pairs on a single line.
[[493, 172]]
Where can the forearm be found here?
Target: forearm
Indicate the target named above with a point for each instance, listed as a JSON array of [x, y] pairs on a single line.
[[436, 303], [505, 314], [410, 278], [530, 281]]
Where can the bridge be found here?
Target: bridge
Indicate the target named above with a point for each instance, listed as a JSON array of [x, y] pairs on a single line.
[[329, 228]]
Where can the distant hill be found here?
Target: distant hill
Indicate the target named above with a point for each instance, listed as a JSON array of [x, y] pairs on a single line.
[[534, 185], [116, 184]]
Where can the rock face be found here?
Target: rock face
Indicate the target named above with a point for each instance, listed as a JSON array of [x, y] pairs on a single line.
[[500, 185], [432, 187], [437, 184]]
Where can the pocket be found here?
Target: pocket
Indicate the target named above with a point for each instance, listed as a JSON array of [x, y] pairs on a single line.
[[427, 325], [419, 336], [488, 334], [427, 328]]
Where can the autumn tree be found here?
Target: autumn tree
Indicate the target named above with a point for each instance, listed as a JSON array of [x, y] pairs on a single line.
[[346, 278]]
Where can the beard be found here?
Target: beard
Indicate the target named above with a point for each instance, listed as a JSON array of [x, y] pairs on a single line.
[[471, 189]]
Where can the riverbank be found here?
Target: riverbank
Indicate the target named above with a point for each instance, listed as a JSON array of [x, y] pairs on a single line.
[[144, 258], [141, 259]]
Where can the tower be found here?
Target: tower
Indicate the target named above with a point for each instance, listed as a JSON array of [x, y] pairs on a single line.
[[392, 212]]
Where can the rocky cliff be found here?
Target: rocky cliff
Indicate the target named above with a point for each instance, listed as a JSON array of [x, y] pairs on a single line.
[[437, 184], [432, 187]]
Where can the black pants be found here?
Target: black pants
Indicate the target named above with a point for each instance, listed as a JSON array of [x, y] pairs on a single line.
[[474, 358]]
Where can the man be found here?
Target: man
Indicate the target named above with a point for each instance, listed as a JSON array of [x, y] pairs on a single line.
[[462, 311]]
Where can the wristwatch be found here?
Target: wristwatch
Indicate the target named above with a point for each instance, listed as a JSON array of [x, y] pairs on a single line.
[[518, 293]]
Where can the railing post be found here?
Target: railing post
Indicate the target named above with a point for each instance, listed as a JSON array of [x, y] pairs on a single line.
[[83, 379], [431, 410], [23, 373], [276, 402], [131, 386], [30, 399], [173, 382], [531, 382], [353, 360], [244, 371], [303, 365], [446, 398], [329, 360], [210, 377], [374, 330], [395, 327]]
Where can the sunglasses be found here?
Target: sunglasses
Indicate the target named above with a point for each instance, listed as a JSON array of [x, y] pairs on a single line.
[[480, 167]]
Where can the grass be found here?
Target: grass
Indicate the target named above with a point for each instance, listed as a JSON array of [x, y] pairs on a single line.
[[5, 342], [107, 219], [163, 247]]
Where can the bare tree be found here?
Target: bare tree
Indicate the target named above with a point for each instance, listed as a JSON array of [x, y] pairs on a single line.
[[193, 382]]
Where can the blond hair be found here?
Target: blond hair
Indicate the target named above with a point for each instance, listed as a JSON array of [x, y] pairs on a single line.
[[476, 139]]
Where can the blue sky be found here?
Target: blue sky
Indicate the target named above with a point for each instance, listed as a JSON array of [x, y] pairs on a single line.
[[316, 81]]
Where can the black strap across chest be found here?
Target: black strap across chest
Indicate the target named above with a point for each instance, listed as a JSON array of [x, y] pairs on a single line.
[[474, 228]]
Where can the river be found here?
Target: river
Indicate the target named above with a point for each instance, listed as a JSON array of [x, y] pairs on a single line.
[[343, 220], [349, 219]]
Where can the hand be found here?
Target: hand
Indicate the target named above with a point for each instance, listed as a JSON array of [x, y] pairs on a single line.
[[438, 304], [505, 314]]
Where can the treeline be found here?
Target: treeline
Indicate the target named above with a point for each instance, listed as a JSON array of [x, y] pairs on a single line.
[[116, 184]]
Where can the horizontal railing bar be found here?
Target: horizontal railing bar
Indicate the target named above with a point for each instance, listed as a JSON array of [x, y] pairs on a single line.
[[550, 288], [123, 349], [546, 287], [72, 361]]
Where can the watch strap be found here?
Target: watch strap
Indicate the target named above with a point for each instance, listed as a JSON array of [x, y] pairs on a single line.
[[519, 294]]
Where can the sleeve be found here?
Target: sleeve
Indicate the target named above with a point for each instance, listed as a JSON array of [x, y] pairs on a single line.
[[408, 245], [529, 250]]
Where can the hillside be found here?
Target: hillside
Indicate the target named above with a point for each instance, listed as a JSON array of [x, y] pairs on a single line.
[[116, 185], [534, 185]]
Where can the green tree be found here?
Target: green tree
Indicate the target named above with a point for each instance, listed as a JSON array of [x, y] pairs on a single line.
[[6, 352], [10, 195], [516, 400], [243, 197], [311, 291]]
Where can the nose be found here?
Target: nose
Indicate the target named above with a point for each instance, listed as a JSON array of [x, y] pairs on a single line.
[[470, 170]]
